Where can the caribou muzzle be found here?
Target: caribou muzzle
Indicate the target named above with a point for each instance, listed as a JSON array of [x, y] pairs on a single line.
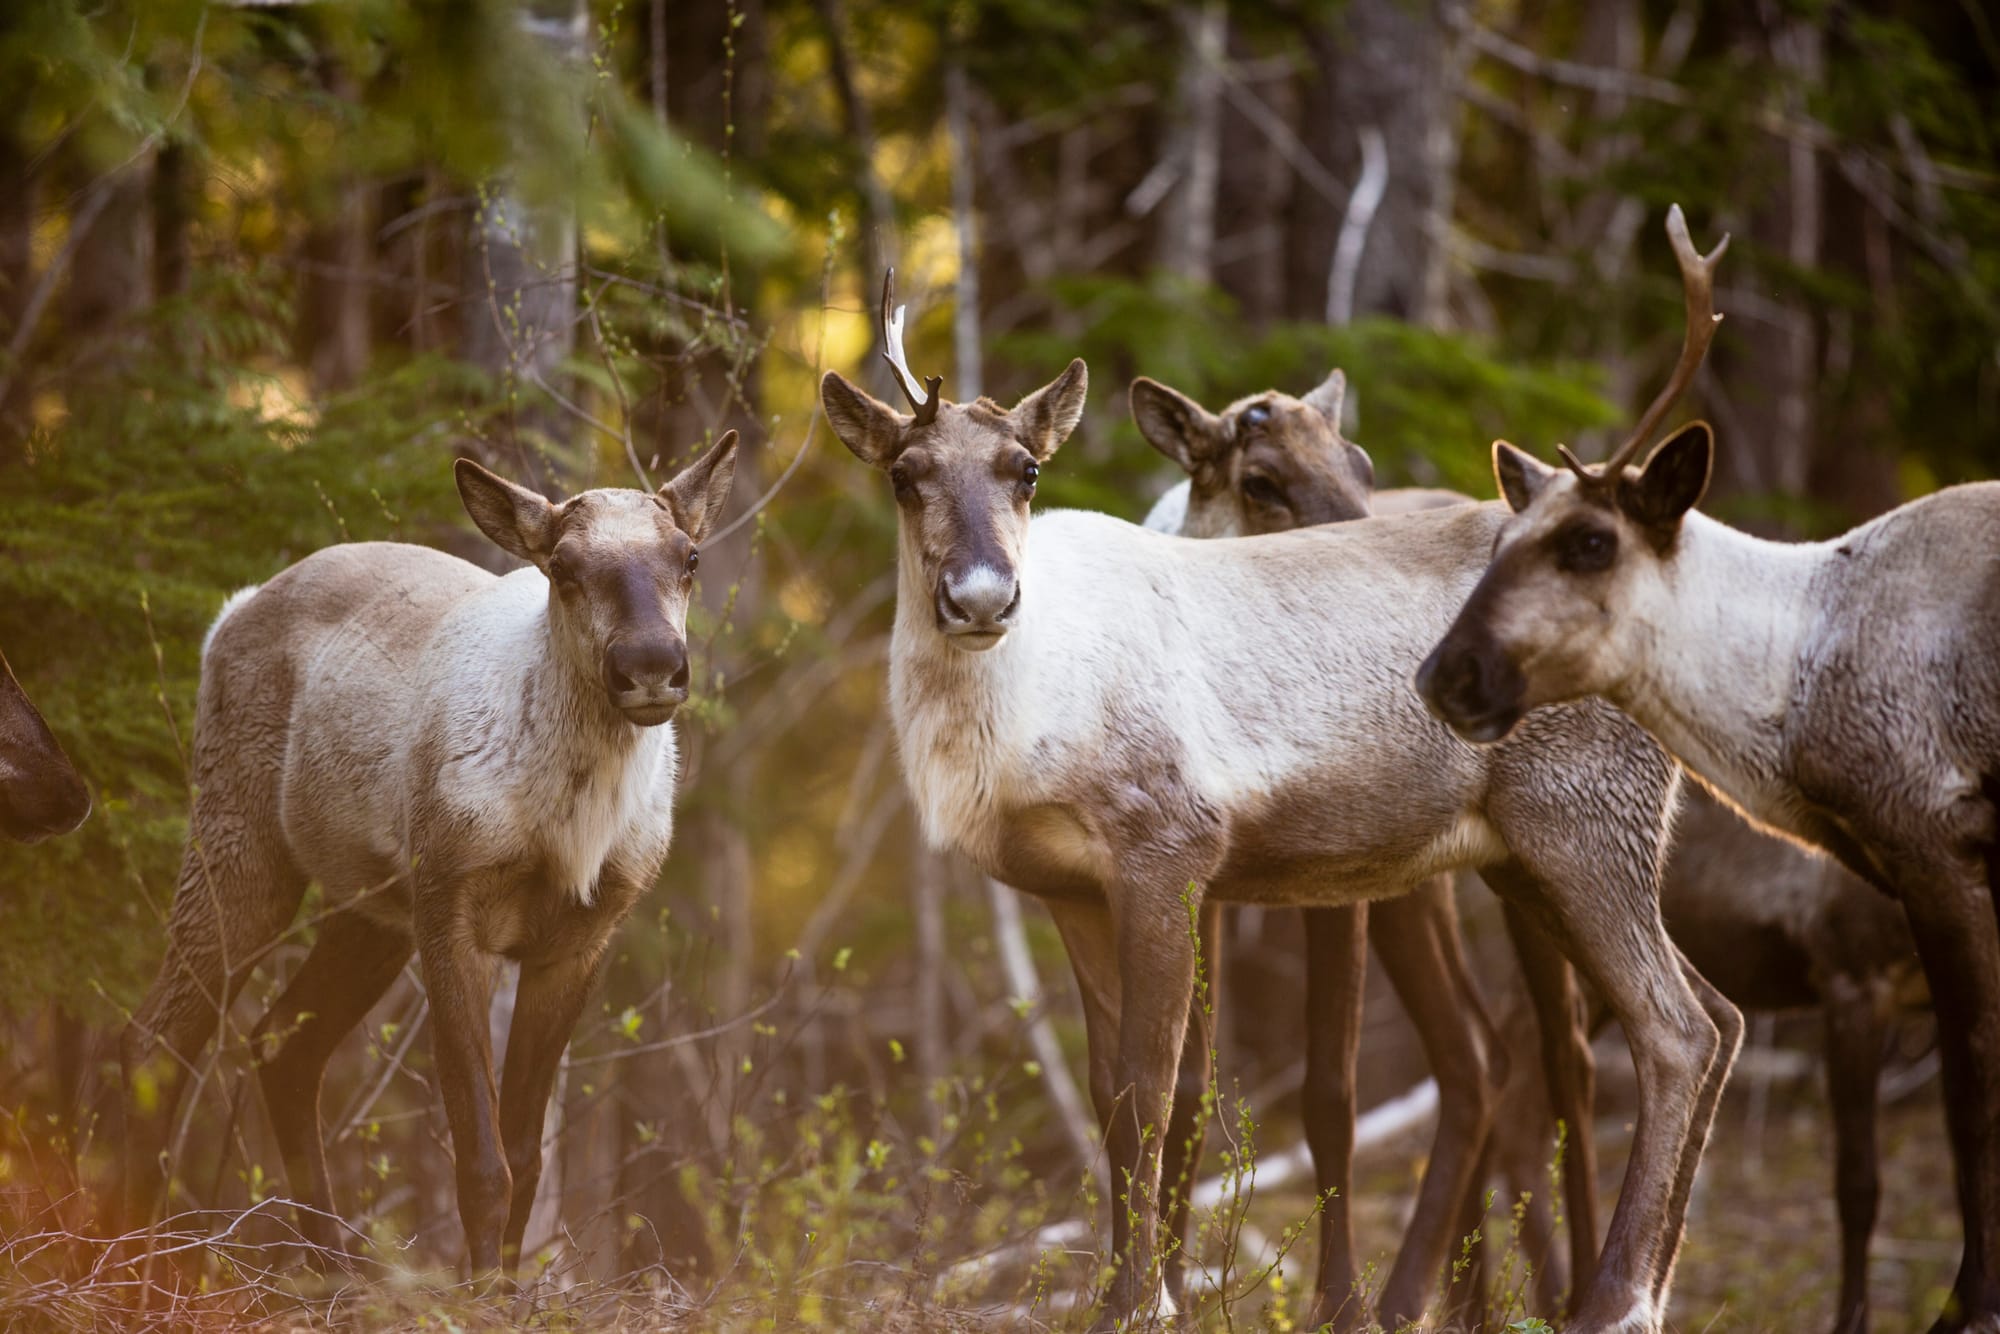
[[39, 805], [647, 679], [1471, 687], [976, 604]]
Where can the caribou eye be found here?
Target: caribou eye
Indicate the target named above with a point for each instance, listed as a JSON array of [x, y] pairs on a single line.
[[560, 572], [1030, 472], [1585, 550], [694, 560], [1261, 490], [1255, 415]]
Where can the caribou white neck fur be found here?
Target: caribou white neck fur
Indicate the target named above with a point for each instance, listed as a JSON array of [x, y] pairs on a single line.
[[532, 754], [1722, 642]]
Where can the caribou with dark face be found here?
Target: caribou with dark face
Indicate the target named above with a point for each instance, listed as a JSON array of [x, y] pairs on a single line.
[[1136, 727], [1771, 925], [41, 793], [1845, 693]]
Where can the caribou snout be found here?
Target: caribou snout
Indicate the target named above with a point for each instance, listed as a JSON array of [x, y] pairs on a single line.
[[1472, 688], [976, 604], [647, 678], [39, 805]]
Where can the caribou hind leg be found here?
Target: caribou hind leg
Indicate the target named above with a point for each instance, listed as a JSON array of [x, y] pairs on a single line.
[[1951, 910], [1570, 1072], [1336, 974], [351, 965], [238, 890], [1855, 1033], [1416, 940]]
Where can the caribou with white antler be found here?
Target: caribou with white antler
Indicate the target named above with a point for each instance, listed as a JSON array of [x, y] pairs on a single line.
[[1846, 693], [1136, 727]]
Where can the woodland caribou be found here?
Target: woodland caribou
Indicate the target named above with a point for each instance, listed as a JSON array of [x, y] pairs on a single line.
[[41, 793], [1269, 463], [468, 765], [1136, 727], [1771, 925], [1845, 692]]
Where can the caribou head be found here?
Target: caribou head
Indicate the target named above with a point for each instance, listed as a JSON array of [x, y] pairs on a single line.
[[964, 474], [620, 565], [1562, 608], [1264, 464]]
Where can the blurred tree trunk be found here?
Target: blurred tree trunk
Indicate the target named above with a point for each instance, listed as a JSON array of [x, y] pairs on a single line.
[[111, 273], [1766, 377], [1380, 64], [878, 210], [17, 273], [174, 190], [521, 289], [1187, 224], [1253, 184]]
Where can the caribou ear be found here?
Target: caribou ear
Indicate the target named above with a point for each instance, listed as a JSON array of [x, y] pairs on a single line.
[[1176, 425], [1521, 475], [521, 522], [864, 423], [1673, 479], [1331, 400], [1044, 419], [697, 496]]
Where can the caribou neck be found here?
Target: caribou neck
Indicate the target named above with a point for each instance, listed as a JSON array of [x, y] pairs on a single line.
[[1721, 675]]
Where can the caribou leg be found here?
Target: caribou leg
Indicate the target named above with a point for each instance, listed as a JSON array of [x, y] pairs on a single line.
[[1156, 973], [354, 960], [1855, 1032], [1614, 931], [1188, 1129], [1416, 940], [1336, 974], [1571, 1075], [458, 981], [1951, 911]]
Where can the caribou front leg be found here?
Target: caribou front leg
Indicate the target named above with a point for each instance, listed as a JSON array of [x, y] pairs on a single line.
[[1156, 964], [458, 981]]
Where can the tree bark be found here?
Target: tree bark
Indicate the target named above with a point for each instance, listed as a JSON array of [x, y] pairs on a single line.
[[1379, 63], [520, 287], [1187, 227]]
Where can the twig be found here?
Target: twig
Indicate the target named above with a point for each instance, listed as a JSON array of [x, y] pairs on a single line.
[[1361, 205]]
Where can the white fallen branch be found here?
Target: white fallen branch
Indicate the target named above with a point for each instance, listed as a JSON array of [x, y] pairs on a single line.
[[1381, 1125]]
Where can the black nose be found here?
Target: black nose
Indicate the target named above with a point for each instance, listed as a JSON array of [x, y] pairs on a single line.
[[646, 667]]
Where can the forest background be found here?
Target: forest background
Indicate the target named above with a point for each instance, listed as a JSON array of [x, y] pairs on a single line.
[[267, 268]]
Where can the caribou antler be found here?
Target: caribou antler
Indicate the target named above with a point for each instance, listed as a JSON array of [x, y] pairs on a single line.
[[926, 407], [1698, 282]]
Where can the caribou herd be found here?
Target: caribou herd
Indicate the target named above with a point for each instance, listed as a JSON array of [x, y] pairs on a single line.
[[1286, 690]]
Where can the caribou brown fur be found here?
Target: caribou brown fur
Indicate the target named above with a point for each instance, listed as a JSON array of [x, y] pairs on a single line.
[[1772, 926], [469, 766], [1136, 727], [1845, 693], [41, 793]]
